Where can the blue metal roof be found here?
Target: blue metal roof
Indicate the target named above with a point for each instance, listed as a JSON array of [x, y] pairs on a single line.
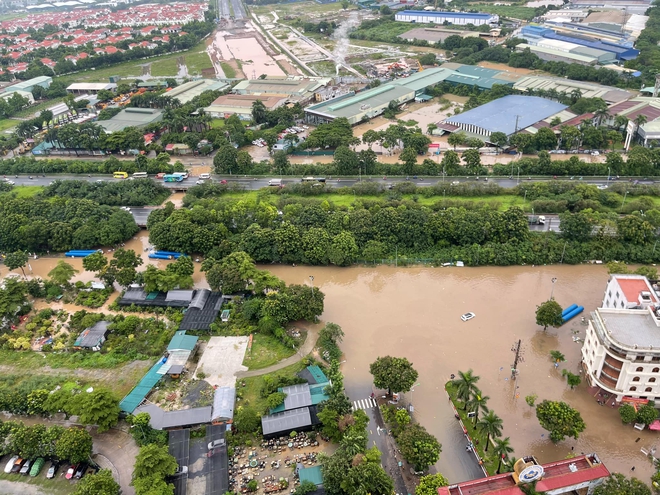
[[504, 113], [621, 52], [457, 15]]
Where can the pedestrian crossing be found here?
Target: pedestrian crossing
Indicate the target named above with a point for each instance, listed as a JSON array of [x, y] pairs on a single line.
[[367, 403]]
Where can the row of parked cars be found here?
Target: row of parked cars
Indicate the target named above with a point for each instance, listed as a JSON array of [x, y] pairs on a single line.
[[26, 467]]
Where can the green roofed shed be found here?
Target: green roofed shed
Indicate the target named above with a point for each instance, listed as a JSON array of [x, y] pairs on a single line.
[[181, 341], [312, 474]]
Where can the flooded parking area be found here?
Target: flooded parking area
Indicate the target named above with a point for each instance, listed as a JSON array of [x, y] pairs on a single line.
[[415, 312]]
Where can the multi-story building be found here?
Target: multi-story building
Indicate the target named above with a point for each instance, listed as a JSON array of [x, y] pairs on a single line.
[[629, 292], [621, 351]]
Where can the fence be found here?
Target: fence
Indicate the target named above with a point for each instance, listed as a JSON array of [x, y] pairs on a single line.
[[313, 153]]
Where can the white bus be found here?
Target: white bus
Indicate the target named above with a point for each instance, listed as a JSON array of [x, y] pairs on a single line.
[[140, 175], [181, 174]]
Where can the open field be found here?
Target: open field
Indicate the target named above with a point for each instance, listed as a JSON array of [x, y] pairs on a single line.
[[298, 9], [511, 11], [27, 191], [30, 111], [11, 484], [6, 124], [266, 351], [250, 393]]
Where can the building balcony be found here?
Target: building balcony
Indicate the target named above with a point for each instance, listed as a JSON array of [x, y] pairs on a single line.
[[607, 381], [611, 374], [613, 363], [616, 353]]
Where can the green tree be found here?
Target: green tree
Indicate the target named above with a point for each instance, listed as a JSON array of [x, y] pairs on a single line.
[[393, 373], [472, 160], [647, 414], [572, 379], [305, 487], [343, 250], [531, 399], [62, 273], [557, 357], [101, 483], [477, 403], [618, 484], [75, 445], [466, 385], [100, 408], [451, 163], [95, 262], [456, 139], [429, 484], [560, 419], [367, 478], [628, 413], [491, 425], [152, 485], [549, 314], [153, 460], [224, 160], [409, 158], [346, 161], [501, 450], [17, 259], [499, 139], [419, 447], [545, 139]]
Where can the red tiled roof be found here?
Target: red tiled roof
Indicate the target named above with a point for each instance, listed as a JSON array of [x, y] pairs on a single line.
[[631, 288], [569, 478]]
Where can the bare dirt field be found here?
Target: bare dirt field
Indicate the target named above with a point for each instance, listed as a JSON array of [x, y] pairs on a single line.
[[222, 358]]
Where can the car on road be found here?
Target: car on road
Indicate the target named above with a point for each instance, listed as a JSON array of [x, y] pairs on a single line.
[[52, 470], [199, 182], [468, 316], [602, 187], [71, 471], [455, 183], [26, 467], [220, 442], [100, 181], [10, 464], [126, 208], [181, 470], [204, 176], [10, 182], [224, 181]]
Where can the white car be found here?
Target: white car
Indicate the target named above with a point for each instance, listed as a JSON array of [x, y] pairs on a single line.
[[216, 443], [10, 464], [126, 208], [602, 187], [10, 182], [199, 182], [467, 316]]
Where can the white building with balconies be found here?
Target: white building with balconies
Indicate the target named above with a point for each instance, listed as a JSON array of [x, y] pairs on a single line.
[[629, 292], [621, 352]]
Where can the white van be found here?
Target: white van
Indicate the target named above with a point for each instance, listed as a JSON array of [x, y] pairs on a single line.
[[275, 182], [204, 176]]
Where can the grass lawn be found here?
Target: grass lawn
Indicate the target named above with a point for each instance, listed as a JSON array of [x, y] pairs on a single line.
[[27, 191], [56, 486], [6, 124], [478, 438], [30, 111], [515, 11], [297, 8], [250, 394], [266, 351], [229, 71], [217, 123], [165, 67]]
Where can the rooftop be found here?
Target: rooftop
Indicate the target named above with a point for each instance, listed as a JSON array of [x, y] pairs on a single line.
[[90, 86], [246, 101], [93, 336], [286, 421], [132, 117], [633, 285], [190, 90], [181, 341], [203, 310], [161, 420], [509, 113], [630, 328], [456, 15], [276, 85]]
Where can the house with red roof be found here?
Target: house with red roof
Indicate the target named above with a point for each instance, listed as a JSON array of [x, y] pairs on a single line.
[[583, 472], [48, 62]]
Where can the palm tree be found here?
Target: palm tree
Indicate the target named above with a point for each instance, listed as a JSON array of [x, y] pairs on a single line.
[[502, 450], [620, 122], [477, 403], [601, 115], [576, 94], [491, 424], [639, 121], [465, 384], [557, 356]]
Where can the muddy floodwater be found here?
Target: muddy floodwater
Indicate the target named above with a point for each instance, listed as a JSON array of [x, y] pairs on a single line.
[[415, 312]]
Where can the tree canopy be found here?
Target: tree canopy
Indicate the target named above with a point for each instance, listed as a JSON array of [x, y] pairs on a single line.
[[560, 419], [393, 373]]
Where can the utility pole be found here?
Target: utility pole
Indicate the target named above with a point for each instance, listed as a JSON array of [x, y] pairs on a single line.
[[554, 279]]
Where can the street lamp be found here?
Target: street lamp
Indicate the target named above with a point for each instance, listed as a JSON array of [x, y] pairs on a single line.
[[518, 181], [410, 407], [608, 176], [311, 278], [554, 279]]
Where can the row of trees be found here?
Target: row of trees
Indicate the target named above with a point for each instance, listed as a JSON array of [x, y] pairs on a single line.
[[490, 424], [134, 192], [30, 165], [59, 224], [53, 442]]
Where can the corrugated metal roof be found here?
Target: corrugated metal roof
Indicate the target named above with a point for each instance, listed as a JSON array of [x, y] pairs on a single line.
[[224, 399], [286, 421], [140, 391], [182, 341]]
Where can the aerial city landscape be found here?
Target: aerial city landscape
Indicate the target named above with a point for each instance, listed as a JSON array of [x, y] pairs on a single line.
[[354, 247]]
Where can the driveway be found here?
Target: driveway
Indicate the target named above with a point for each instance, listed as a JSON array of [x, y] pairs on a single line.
[[117, 451]]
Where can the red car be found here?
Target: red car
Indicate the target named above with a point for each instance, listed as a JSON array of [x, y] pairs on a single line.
[[223, 181], [70, 472]]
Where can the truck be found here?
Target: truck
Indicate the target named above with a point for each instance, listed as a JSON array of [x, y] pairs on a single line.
[[536, 220]]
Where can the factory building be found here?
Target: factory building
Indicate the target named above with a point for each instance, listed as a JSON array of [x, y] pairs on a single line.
[[508, 114], [556, 55], [456, 18]]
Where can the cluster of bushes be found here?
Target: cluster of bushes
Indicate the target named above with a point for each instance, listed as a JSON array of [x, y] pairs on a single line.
[[153, 466], [29, 165], [59, 224], [115, 193], [93, 298], [52, 442]]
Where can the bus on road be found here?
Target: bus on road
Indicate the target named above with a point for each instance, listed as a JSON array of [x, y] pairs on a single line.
[[120, 175], [172, 178], [140, 175], [183, 175]]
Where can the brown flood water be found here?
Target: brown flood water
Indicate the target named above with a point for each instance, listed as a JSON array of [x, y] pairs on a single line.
[[415, 312]]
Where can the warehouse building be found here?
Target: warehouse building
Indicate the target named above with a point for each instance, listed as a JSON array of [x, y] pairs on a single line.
[[610, 94], [131, 117], [456, 18], [301, 88], [508, 114], [435, 35], [241, 105], [29, 85], [190, 90], [90, 88], [371, 103], [19, 92], [555, 55]]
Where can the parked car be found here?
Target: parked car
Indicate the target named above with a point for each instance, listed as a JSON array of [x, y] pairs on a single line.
[[52, 470], [467, 316], [10, 464], [71, 471], [36, 467], [80, 472], [26, 467], [199, 182], [181, 470], [220, 442], [18, 464], [224, 181], [204, 176]]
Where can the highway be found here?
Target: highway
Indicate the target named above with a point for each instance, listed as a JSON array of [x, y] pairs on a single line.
[[253, 183], [239, 9]]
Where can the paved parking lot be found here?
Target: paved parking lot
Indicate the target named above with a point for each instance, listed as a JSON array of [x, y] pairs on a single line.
[[222, 359]]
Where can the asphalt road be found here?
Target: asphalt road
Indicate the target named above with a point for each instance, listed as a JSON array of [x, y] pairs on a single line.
[[239, 10], [253, 183]]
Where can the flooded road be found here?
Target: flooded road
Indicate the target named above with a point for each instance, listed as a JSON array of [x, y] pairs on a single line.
[[415, 312]]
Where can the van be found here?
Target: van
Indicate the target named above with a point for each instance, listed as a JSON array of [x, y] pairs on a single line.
[[204, 176], [275, 182]]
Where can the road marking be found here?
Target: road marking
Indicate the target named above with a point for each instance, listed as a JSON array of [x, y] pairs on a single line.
[[364, 404]]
